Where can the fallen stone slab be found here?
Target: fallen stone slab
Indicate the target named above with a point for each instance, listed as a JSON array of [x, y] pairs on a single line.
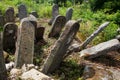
[[33, 74], [101, 49]]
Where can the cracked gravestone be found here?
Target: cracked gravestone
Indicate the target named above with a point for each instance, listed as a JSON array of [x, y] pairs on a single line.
[[57, 26], [60, 47], [9, 15], [22, 11], [69, 14], [9, 36], [101, 49], [55, 12], [2, 20], [25, 44], [3, 71]]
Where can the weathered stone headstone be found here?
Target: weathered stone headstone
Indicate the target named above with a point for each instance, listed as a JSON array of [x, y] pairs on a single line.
[[3, 71], [39, 33], [69, 14], [57, 26], [9, 36], [34, 13], [55, 12], [2, 20], [25, 44], [60, 47], [9, 15], [101, 49], [22, 11]]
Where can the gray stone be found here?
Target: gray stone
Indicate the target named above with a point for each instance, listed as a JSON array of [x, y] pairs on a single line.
[[99, 72], [33, 74], [55, 12], [25, 44], [10, 15], [57, 26], [60, 47], [69, 14], [2, 21], [34, 13], [9, 36], [101, 49], [3, 71], [39, 33], [22, 11]]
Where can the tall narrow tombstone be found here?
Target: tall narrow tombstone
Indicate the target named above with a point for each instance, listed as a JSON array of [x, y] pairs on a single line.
[[22, 11], [10, 15], [2, 21], [25, 44], [55, 12], [69, 14], [9, 36], [57, 26], [60, 47], [3, 71]]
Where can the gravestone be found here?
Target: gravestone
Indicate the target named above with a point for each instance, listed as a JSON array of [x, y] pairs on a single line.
[[60, 47], [9, 36], [22, 11], [3, 71], [69, 14], [25, 44], [39, 33], [34, 13], [9, 15], [57, 26], [55, 12], [2, 20]]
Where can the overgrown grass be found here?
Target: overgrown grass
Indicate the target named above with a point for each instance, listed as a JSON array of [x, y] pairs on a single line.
[[90, 20]]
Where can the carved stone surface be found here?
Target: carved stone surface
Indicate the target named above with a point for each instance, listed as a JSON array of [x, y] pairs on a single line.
[[55, 12], [9, 15], [3, 71], [69, 14], [22, 11], [2, 20], [57, 26], [9, 36], [60, 47], [101, 49], [25, 44], [34, 13]]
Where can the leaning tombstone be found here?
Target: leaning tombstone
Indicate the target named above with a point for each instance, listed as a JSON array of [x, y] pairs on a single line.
[[55, 12], [9, 15], [2, 20], [57, 26], [69, 14], [25, 44], [9, 36], [60, 47], [3, 71], [22, 11], [34, 13]]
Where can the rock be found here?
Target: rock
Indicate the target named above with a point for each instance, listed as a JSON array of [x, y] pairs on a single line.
[[34, 13], [33, 74], [69, 13], [101, 49], [9, 66], [25, 44], [118, 37], [15, 73], [99, 72], [2, 20]]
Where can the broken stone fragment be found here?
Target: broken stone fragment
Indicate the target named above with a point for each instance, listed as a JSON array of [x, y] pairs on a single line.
[[33, 74], [101, 49]]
